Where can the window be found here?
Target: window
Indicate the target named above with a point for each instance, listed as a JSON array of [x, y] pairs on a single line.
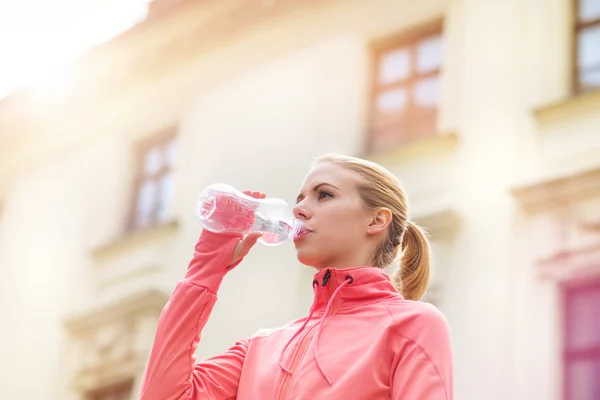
[[121, 391], [406, 86], [154, 180], [587, 45], [582, 341]]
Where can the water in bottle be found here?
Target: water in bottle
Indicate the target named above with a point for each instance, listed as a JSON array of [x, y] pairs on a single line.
[[222, 208]]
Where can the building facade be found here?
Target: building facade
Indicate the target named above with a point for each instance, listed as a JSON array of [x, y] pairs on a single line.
[[488, 112]]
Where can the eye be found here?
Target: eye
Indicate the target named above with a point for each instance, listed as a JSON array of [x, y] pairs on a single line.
[[323, 194]]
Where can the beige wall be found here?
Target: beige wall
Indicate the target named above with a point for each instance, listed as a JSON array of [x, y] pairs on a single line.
[[253, 112]]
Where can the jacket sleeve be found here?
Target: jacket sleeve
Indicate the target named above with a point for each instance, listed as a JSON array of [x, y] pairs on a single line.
[[423, 359], [171, 372]]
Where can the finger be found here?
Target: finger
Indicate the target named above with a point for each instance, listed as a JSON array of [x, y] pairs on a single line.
[[253, 236], [253, 193], [244, 245], [249, 242], [251, 239]]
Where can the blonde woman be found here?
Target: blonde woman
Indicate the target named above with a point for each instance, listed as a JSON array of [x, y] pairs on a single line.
[[365, 337]]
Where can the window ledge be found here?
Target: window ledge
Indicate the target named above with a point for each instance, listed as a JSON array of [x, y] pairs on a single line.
[[440, 219], [430, 147], [135, 239], [109, 340], [571, 263], [138, 303], [557, 191], [566, 109]]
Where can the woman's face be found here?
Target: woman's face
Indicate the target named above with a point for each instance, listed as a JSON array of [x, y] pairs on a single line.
[[337, 222]]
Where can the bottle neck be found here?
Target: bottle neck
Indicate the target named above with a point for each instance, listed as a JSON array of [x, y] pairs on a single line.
[[297, 227]]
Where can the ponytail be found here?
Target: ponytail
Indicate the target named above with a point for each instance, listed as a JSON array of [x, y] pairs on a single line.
[[412, 279]]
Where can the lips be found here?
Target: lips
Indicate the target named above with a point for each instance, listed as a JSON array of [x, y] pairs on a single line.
[[302, 234]]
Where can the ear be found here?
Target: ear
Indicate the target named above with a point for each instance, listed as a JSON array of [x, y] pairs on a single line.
[[380, 221]]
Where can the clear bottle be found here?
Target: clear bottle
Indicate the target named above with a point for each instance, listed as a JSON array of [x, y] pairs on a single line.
[[221, 208]]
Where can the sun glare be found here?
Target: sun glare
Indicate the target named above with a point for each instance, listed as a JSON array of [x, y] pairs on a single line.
[[39, 38]]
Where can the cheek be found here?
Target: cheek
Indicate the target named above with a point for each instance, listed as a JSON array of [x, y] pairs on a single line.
[[344, 226]]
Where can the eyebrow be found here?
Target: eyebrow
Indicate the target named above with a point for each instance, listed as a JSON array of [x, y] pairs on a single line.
[[301, 196]]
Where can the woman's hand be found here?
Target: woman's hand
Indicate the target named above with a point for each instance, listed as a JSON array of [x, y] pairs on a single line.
[[244, 245]]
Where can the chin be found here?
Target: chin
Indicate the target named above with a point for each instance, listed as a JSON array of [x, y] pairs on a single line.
[[309, 259]]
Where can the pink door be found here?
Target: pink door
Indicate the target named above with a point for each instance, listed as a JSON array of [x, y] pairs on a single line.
[[582, 340]]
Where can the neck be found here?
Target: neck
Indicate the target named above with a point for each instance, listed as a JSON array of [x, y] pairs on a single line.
[[345, 263], [362, 255]]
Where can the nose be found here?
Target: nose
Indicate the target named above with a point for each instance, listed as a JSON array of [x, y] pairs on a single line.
[[301, 212]]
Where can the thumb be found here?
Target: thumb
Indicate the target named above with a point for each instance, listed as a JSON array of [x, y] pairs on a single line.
[[243, 247]]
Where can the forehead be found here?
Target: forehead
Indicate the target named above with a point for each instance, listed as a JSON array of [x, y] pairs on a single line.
[[326, 172]]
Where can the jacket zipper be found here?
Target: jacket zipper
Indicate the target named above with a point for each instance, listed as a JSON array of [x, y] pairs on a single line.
[[302, 347]]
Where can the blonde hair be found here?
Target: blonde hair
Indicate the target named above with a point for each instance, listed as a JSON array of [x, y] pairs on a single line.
[[380, 188]]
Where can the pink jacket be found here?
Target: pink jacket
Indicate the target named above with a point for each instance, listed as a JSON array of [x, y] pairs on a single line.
[[360, 340]]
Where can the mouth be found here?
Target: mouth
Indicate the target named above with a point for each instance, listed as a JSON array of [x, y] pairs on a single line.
[[302, 234]]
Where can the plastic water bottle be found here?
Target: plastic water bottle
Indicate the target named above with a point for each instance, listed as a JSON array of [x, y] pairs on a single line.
[[222, 208]]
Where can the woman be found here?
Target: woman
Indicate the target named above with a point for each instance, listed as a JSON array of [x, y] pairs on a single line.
[[364, 338]]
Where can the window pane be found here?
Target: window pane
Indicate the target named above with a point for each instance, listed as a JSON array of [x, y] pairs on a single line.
[[429, 54], [164, 196], [427, 91], [152, 161], [392, 100], [590, 80], [583, 378], [589, 48], [394, 66], [589, 10], [145, 203], [583, 319]]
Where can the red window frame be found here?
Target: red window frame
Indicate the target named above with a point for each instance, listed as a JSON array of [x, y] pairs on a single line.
[[119, 391], [413, 121], [579, 27]]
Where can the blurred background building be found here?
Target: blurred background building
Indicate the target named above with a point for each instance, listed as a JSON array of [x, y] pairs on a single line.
[[487, 111]]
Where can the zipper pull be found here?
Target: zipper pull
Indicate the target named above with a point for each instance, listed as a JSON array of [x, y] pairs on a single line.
[[326, 277]]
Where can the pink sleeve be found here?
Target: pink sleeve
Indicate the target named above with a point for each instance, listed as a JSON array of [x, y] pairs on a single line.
[[171, 372], [423, 359]]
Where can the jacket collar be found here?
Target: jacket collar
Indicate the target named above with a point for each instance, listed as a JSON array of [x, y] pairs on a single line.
[[335, 290], [365, 285]]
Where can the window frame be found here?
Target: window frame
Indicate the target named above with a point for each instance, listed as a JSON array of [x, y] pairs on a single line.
[[123, 387], [579, 26], [384, 46], [142, 147], [568, 355]]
